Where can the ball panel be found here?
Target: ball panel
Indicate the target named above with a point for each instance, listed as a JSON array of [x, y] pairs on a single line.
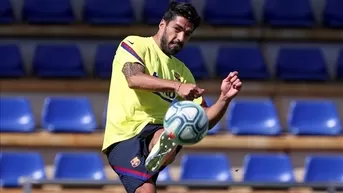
[[175, 123], [203, 134], [187, 121], [190, 113], [203, 121], [171, 111], [187, 133]]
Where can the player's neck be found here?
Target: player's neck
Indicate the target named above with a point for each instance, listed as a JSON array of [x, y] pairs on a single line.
[[157, 40]]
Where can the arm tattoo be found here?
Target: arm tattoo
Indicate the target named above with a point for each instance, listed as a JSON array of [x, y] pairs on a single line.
[[132, 68]]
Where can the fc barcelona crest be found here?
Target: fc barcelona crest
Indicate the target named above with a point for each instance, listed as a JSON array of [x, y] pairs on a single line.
[[135, 162]]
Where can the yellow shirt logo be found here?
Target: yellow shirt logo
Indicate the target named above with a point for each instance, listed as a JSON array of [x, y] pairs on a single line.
[[177, 76]]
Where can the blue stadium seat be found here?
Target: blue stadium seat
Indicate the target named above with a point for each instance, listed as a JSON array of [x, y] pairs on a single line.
[[48, 11], [6, 12], [154, 9], [164, 175], [333, 15], [248, 61], [209, 167], [79, 166], [103, 60], [307, 64], [340, 65], [324, 168], [11, 64], [268, 168], [210, 101], [16, 115], [17, 165], [253, 117], [68, 114], [314, 118], [194, 60], [58, 61], [229, 12], [288, 13], [108, 12]]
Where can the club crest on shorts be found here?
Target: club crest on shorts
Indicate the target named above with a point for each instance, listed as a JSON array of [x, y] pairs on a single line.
[[135, 162]]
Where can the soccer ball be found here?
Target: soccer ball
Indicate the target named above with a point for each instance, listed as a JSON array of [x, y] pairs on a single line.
[[186, 123]]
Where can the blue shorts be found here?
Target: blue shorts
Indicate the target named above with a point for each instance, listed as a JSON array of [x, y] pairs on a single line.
[[127, 158]]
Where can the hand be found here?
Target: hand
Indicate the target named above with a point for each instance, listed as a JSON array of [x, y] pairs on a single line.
[[189, 91], [231, 86]]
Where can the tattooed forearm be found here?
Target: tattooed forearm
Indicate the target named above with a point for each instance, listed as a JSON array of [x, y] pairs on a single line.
[[137, 79], [130, 69]]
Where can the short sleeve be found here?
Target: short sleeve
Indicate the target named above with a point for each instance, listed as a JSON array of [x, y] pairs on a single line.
[[189, 78], [131, 49]]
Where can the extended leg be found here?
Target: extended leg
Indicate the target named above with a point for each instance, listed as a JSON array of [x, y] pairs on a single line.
[[162, 151]]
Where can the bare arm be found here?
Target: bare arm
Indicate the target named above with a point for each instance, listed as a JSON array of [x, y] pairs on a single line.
[[137, 79], [216, 111], [230, 87]]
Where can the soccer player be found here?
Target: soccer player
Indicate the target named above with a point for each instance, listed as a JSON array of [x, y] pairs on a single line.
[[146, 78]]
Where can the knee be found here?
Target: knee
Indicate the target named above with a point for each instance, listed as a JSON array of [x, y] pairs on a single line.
[[148, 187]]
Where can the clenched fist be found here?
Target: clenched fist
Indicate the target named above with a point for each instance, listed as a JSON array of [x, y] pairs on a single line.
[[189, 91]]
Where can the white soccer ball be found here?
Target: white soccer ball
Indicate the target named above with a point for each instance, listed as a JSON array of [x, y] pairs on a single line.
[[186, 123]]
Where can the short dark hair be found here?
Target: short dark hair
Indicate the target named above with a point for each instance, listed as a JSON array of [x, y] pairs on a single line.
[[182, 9]]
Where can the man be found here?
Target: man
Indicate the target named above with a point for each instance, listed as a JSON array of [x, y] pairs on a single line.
[[146, 78]]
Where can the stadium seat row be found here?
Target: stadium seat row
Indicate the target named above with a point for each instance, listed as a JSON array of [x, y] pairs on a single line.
[[66, 61], [75, 114], [208, 167], [216, 12]]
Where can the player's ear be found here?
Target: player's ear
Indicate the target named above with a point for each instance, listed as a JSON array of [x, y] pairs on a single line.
[[162, 24]]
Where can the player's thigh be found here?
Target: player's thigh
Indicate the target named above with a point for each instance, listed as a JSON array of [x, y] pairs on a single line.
[[155, 136], [157, 131], [127, 158], [134, 185], [147, 187]]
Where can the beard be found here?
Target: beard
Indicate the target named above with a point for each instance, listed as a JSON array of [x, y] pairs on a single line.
[[171, 48]]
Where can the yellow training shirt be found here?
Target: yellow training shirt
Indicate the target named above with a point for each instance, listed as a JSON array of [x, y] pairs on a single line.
[[129, 110]]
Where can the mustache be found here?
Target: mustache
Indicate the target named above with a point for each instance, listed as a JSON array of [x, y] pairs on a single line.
[[178, 43]]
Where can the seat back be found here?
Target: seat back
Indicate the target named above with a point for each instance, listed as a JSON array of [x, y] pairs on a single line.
[[209, 167], [248, 61], [103, 60], [16, 115], [268, 168], [324, 168], [314, 117], [48, 11], [229, 12], [79, 166], [58, 61], [68, 114], [15, 166], [253, 117], [301, 64], [107, 12]]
